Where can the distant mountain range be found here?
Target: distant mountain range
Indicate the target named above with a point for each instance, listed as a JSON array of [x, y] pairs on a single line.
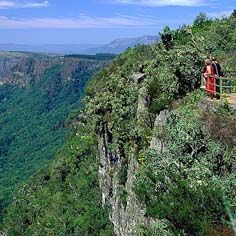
[[120, 45], [115, 47]]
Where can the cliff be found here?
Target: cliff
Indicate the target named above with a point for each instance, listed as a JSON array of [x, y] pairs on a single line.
[[142, 158], [24, 68]]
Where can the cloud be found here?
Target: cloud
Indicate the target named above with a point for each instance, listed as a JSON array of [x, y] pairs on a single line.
[[81, 22], [6, 4], [162, 3]]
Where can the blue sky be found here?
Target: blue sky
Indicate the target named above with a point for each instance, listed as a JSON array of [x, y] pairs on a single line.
[[97, 21]]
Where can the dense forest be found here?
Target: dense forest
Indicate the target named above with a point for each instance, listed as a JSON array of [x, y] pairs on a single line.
[[143, 157], [33, 115]]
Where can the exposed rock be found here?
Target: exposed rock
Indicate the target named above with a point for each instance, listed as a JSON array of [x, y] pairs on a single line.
[[126, 217], [157, 142], [138, 77], [142, 112], [208, 104], [23, 68]]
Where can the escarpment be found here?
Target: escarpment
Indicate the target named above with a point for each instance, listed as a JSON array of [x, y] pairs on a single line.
[[120, 164], [142, 158], [117, 173], [18, 68], [155, 157]]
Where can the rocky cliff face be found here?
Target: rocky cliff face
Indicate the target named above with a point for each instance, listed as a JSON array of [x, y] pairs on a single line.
[[19, 68], [23, 68], [158, 175], [127, 212], [125, 216]]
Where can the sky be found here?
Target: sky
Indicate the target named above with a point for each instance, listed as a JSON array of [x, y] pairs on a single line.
[[98, 21]]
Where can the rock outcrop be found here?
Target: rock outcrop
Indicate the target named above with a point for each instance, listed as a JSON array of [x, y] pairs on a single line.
[[127, 212], [23, 68]]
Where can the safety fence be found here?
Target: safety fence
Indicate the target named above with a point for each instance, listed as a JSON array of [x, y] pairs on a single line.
[[223, 85]]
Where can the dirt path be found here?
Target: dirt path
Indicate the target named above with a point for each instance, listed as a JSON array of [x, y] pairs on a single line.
[[232, 99]]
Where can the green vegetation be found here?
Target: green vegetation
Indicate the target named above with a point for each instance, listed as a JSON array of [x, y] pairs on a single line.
[[187, 184], [188, 188], [98, 56], [32, 124], [63, 199]]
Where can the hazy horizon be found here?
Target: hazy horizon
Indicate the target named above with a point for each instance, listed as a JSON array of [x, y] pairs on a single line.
[[114, 47], [97, 21], [67, 43]]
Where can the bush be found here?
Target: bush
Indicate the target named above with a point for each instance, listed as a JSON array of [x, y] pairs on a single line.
[[185, 184]]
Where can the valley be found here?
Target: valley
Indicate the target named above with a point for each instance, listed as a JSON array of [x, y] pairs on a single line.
[[37, 92]]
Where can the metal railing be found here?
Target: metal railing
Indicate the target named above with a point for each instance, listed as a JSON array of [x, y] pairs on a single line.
[[223, 85]]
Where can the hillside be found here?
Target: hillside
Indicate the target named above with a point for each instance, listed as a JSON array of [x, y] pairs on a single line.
[[143, 157], [120, 45], [37, 92]]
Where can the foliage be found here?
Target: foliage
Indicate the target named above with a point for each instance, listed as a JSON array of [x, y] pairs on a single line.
[[32, 124], [161, 227], [62, 199], [187, 183], [201, 20], [185, 186], [98, 56], [220, 126], [167, 38]]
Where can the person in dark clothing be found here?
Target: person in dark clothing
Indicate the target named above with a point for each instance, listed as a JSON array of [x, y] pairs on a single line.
[[217, 67], [218, 73]]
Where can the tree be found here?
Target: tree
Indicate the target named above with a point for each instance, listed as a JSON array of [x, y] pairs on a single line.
[[201, 19], [167, 37], [233, 15]]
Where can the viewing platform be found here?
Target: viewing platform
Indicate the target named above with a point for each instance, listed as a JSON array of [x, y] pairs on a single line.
[[225, 89], [232, 99]]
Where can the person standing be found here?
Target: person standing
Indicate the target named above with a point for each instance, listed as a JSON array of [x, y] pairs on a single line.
[[209, 75], [218, 74]]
